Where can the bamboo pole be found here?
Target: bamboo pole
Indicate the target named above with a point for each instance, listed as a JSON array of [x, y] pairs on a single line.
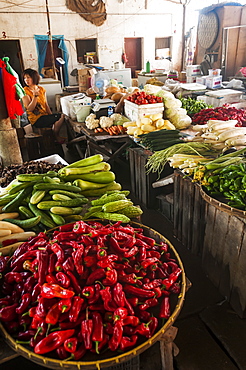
[[10, 152], [51, 43]]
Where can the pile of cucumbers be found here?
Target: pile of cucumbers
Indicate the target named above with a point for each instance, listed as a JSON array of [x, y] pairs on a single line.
[[45, 201]]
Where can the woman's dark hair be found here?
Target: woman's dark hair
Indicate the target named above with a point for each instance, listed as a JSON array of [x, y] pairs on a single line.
[[33, 74]]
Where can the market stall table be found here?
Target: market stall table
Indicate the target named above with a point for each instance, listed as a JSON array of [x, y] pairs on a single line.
[[111, 146]]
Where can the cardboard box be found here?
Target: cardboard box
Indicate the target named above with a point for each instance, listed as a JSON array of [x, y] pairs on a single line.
[[134, 111], [193, 70], [84, 78], [201, 80], [214, 82], [190, 79]]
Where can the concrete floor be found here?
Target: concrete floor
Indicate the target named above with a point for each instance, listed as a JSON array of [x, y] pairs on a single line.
[[210, 334]]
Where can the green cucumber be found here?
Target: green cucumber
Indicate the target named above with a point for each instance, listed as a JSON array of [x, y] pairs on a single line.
[[49, 186], [65, 192], [73, 218], [37, 196], [76, 202], [58, 196], [25, 224], [45, 219], [34, 176], [6, 199], [66, 211], [84, 162], [58, 219], [14, 204], [26, 212]]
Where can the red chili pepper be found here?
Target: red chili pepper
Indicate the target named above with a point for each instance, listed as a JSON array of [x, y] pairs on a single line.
[[148, 303], [146, 239], [8, 313], [97, 333], [131, 320], [127, 342], [63, 279], [115, 340], [53, 314], [158, 292], [132, 252], [101, 344], [171, 279], [36, 320], [134, 301], [3, 263], [59, 254], [70, 344], [153, 254], [175, 288], [6, 301], [107, 261], [71, 325], [50, 279], [101, 253], [85, 240], [25, 301], [68, 264], [96, 307], [96, 296], [118, 295], [81, 227], [90, 261], [88, 291], [18, 262], [86, 331], [77, 355], [64, 305], [120, 313], [108, 327], [36, 291], [77, 303], [116, 246], [77, 256], [53, 341], [26, 335], [129, 306], [97, 274], [152, 284], [142, 293], [52, 263], [65, 236], [165, 308], [128, 278], [108, 302], [29, 284], [54, 290], [143, 315], [111, 277], [13, 277], [62, 353], [66, 227], [143, 329], [148, 262], [74, 282], [129, 330], [153, 325], [43, 259]]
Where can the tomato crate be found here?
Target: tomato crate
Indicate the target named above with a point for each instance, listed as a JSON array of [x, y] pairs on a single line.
[[134, 111]]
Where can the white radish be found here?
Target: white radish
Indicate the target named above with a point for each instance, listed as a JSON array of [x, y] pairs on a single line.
[[237, 140], [8, 225], [231, 133], [223, 125]]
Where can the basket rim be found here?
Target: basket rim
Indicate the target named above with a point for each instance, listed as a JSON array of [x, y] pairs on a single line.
[[121, 357]]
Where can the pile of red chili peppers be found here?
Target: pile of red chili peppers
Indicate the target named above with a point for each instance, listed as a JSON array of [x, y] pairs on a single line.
[[87, 287]]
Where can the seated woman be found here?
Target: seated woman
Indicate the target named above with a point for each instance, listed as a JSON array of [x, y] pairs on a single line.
[[37, 107]]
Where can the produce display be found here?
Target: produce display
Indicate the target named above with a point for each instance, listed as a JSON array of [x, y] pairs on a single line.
[[224, 113], [193, 106], [147, 123], [86, 288], [9, 173], [172, 107], [157, 161], [162, 139], [43, 201], [141, 98], [223, 134], [113, 125]]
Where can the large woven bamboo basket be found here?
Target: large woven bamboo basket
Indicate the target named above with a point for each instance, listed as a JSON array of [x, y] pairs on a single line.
[[219, 204], [109, 359]]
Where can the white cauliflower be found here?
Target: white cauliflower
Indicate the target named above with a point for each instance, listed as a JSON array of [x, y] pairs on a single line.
[[91, 122], [106, 121]]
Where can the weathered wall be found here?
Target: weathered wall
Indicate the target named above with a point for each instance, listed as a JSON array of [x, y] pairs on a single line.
[[127, 18]]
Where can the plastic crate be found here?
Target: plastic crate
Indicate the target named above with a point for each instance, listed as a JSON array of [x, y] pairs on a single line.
[[134, 111]]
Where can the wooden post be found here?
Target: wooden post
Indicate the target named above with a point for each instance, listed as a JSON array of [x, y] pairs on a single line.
[[10, 152]]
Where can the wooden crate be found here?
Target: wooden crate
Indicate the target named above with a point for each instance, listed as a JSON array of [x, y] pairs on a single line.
[[188, 213], [216, 232], [141, 183]]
